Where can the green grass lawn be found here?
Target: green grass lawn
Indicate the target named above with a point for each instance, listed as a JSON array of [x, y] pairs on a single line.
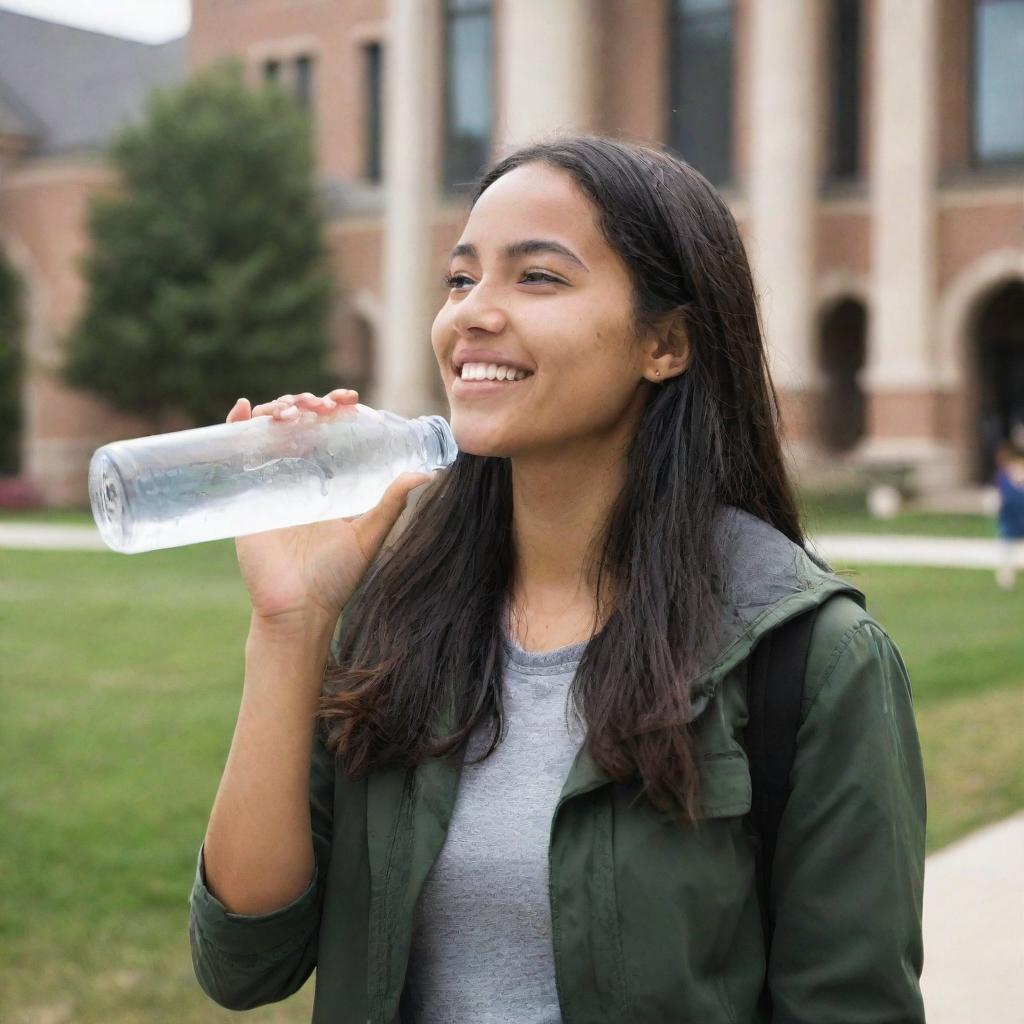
[[119, 681]]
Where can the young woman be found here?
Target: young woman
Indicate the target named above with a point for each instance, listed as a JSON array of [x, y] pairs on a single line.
[[410, 807]]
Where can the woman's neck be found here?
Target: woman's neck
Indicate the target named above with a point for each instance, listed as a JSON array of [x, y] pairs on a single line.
[[560, 511]]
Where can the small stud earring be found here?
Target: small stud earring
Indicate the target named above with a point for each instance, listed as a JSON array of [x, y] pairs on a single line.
[[657, 373]]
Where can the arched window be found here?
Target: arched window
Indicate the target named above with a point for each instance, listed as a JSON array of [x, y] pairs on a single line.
[[700, 80], [998, 372], [355, 354], [842, 406]]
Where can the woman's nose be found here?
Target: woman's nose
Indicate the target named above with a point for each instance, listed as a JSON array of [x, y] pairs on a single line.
[[480, 309]]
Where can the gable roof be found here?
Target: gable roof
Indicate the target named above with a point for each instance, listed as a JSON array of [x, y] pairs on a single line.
[[69, 89], [15, 117]]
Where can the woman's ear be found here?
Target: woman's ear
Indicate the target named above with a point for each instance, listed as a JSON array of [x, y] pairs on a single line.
[[669, 348]]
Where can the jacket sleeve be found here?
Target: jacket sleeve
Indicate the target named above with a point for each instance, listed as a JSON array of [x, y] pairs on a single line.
[[242, 961], [848, 876]]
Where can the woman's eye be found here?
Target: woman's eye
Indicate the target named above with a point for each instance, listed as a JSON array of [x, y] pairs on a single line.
[[459, 281]]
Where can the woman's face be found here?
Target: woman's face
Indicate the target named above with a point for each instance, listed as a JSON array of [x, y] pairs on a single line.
[[534, 284]]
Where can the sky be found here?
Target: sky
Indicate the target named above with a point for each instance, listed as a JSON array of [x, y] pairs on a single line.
[[148, 21]]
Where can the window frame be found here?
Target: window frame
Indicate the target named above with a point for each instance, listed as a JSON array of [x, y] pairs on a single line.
[[304, 86], [675, 14], [372, 110], [975, 161], [454, 184], [835, 87]]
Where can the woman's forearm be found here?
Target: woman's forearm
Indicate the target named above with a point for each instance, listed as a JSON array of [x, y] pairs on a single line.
[[258, 849]]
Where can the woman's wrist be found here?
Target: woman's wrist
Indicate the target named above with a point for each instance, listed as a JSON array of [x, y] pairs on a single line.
[[313, 629]]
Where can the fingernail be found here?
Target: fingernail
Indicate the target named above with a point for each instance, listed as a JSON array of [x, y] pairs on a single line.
[[290, 413]]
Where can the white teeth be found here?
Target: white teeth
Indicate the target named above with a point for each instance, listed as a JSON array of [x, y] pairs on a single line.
[[491, 371]]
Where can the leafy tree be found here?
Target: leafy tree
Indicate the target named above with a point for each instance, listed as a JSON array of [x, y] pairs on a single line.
[[206, 275], [11, 322]]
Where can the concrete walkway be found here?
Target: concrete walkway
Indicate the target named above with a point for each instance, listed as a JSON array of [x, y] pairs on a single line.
[[48, 537], [892, 549], [974, 928]]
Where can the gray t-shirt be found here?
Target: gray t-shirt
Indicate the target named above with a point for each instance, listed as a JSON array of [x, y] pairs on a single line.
[[481, 945]]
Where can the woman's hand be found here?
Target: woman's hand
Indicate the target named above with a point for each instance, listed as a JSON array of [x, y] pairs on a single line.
[[300, 577]]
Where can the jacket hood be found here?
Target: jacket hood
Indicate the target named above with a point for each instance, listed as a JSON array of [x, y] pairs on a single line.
[[766, 580]]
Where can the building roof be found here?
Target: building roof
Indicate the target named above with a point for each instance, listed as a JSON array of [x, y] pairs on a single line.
[[69, 89], [15, 117]]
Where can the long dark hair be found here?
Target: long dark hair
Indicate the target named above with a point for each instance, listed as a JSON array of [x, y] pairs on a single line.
[[425, 632]]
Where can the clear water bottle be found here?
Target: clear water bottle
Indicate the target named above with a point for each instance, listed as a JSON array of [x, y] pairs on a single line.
[[261, 474]]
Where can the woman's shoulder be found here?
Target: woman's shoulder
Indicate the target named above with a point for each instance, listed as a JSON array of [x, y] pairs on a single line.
[[849, 647]]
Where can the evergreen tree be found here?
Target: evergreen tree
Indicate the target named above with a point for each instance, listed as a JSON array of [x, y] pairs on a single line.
[[206, 274], [11, 322]]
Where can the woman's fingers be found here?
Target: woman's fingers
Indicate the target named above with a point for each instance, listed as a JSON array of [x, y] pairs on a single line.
[[270, 408], [239, 411], [345, 395], [289, 407]]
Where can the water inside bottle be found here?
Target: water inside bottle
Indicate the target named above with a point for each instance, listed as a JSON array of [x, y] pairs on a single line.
[[243, 484]]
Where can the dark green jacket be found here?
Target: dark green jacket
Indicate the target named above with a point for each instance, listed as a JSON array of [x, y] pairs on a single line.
[[652, 922]]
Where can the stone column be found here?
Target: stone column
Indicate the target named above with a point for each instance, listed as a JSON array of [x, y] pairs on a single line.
[[412, 125], [900, 372], [545, 67], [784, 94]]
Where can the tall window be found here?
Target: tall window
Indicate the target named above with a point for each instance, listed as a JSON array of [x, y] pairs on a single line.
[[844, 89], [701, 85], [467, 94], [998, 121], [373, 80], [304, 81]]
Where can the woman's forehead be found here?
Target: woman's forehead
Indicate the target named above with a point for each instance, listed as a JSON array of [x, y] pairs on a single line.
[[534, 201]]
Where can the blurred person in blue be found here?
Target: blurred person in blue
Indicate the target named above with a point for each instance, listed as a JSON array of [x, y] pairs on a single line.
[[1009, 480], [513, 768]]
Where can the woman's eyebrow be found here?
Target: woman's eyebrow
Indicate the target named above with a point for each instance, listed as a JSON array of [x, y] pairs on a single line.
[[528, 247]]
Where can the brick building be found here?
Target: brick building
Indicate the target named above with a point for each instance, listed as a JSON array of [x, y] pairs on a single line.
[[871, 150]]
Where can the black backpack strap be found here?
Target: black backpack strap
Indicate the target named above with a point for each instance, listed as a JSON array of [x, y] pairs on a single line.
[[774, 694], [775, 690]]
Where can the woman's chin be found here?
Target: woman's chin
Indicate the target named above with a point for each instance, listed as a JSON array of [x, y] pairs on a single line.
[[478, 439], [477, 447]]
